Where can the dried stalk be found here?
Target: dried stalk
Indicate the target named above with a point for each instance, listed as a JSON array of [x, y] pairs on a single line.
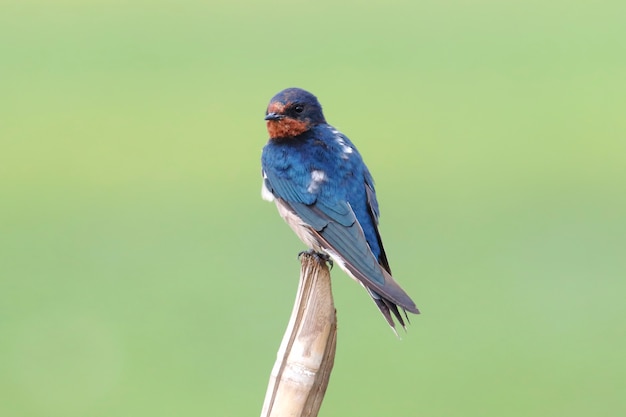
[[305, 359]]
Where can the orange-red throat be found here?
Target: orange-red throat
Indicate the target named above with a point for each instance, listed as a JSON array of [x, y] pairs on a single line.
[[280, 125]]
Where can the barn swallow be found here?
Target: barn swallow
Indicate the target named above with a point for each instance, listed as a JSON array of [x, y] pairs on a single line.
[[325, 193]]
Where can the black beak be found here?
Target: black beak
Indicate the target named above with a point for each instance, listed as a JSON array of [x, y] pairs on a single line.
[[273, 116]]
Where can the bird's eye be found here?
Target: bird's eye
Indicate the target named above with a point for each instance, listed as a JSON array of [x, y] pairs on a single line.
[[299, 108]]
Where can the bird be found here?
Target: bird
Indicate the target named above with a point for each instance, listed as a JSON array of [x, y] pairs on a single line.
[[325, 193]]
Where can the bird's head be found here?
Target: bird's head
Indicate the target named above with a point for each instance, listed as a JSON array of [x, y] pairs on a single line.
[[292, 112]]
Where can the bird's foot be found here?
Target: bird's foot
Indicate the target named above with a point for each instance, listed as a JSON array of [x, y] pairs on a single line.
[[323, 257]]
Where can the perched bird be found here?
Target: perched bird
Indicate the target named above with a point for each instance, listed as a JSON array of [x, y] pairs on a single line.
[[324, 191]]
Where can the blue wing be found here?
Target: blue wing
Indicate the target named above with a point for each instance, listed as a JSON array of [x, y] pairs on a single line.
[[337, 231]]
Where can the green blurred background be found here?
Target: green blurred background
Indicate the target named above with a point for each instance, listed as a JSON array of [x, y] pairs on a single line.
[[142, 275]]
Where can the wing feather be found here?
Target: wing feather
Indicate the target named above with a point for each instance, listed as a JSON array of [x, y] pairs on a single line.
[[335, 227], [339, 232]]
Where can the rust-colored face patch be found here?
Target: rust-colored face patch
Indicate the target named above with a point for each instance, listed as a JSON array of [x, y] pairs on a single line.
[[287, 127], [276, 107]]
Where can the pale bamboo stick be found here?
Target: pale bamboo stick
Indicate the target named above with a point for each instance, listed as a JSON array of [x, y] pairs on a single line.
[[305, 359]]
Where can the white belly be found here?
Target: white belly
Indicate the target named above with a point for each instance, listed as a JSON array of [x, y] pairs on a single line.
[[302, 230]]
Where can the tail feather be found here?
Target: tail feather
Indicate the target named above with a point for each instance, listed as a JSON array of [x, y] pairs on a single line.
[[387, 308]]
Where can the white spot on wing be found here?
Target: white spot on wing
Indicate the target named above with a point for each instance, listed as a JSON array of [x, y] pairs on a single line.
[[265, 193], [345, 148], [317, 178]]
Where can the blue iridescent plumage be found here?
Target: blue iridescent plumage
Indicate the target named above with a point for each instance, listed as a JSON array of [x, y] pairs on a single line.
[[326, 194]]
